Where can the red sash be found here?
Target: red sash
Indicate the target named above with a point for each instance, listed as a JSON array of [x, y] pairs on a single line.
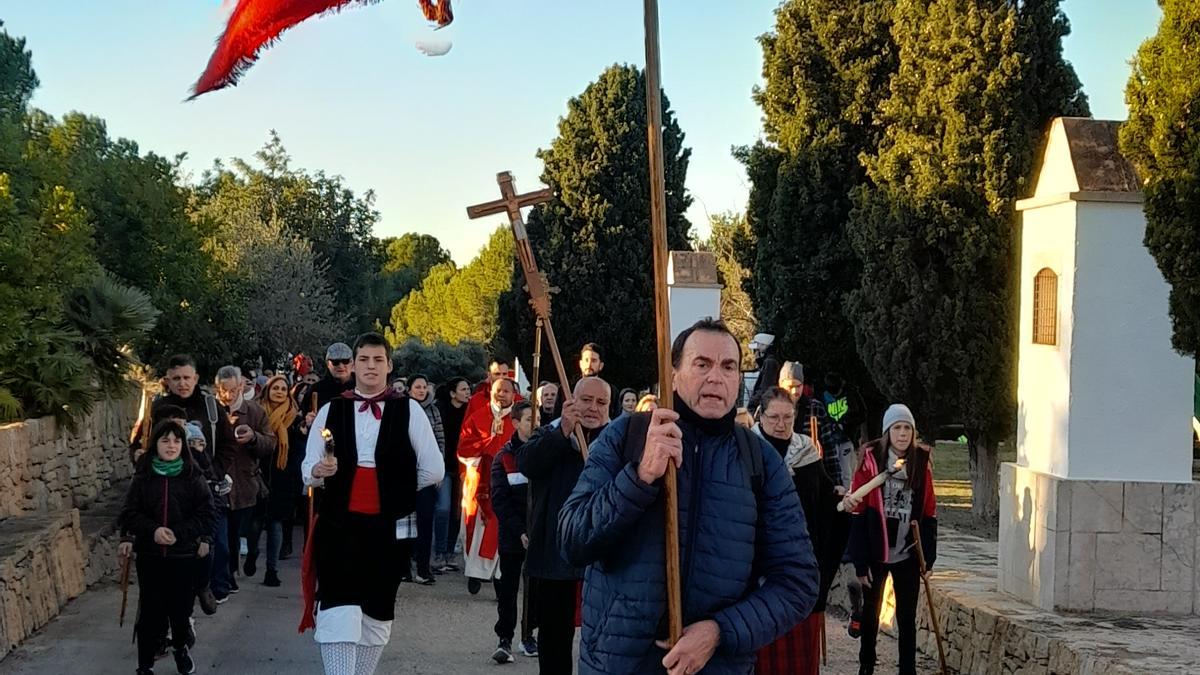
[[364, 492]]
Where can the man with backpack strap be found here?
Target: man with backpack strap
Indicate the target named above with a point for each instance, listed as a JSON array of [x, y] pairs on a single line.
[[181, 381], [552, 460], [746, 576]]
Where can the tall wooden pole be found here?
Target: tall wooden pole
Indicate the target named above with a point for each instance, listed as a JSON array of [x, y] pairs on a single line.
[[526, 605], [662, 319], [537, 371]]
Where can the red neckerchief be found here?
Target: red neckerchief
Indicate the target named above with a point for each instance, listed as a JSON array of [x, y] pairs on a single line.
[[372, 402]]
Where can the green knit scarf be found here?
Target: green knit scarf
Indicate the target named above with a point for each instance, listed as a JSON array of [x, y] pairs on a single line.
[[163, 468]]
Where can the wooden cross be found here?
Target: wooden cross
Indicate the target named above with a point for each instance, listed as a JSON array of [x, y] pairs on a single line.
[[511, 203], [539, 289]]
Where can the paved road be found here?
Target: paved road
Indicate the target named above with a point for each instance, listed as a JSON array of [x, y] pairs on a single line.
[[440, 629]]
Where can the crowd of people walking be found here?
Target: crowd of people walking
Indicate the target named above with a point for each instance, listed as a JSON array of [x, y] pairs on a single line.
[[552, 498]]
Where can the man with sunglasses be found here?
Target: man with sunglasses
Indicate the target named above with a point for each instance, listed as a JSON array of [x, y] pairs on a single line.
[[338, 378]]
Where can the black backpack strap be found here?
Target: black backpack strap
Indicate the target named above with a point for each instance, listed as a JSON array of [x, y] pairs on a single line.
[[210, 407], [635, 437], [750, 456]]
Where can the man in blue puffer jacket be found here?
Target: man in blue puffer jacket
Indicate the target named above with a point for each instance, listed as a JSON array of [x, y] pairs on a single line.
[[748, 570]]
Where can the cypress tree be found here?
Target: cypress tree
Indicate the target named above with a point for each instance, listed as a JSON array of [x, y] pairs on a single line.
[[1162, 139], [826, 67], [593, 240], [976, 86]]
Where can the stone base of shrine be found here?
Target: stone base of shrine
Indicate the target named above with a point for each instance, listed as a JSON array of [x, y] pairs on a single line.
[[1085, 545], [989, 632]]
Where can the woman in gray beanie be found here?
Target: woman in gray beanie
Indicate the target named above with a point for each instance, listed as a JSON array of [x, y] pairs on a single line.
[[881, 532]]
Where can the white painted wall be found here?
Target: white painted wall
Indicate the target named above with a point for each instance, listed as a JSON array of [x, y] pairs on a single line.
[[1131, 394], [1043, 371], [689, 304]]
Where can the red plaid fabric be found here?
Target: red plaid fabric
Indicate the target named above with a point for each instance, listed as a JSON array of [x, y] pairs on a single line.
[[798, 652]]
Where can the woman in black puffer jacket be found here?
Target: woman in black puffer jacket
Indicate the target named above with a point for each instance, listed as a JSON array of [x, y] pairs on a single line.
[[168, 522]]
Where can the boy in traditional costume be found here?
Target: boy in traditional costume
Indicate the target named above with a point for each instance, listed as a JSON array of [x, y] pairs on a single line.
[[380, 451]]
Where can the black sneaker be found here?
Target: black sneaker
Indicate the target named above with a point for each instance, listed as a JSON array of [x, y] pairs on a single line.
[[503, 653], [183, 662], [474, 586], [529, 647], [854, 627], [145, 671], [233, 585], [423, 580], [271, 578], [250, 567], [285, 550], [221, 599], [208, 601], [164, 648]]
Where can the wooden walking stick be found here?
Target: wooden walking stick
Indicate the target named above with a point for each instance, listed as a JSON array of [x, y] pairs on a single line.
[[662, 319], [937, 630], [539, 289], [124, 588]]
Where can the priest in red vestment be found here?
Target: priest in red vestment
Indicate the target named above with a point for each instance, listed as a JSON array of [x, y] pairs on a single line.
[[485, 430]]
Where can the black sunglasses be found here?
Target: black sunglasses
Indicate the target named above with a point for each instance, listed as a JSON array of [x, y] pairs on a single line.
[[340, 362]]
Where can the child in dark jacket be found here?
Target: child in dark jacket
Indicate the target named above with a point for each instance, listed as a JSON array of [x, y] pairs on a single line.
[[881, 532], [510, 492], [167, 521]]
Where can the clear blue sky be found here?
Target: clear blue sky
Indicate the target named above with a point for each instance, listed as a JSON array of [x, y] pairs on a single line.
[[351, 95]]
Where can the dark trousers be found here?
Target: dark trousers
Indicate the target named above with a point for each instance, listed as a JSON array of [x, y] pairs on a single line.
[[165, 593], [556, 625], [454, 517], [508, 593], [426, 503], [906, 580], [221, 579], [246, 523]]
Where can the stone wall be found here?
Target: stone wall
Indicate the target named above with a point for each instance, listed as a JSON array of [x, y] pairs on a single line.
[[45, 467], [49, 551], [42, 562]]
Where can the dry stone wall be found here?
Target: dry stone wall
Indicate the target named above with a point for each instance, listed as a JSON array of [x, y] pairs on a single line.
[[42, 563], [45, 467], [49, 553]]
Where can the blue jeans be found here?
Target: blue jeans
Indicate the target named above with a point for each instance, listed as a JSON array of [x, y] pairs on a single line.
[[221, 578], [274, 543], [426, 503], [441, 518]]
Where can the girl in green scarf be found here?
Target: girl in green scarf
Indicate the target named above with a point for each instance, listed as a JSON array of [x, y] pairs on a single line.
[[168, 522]]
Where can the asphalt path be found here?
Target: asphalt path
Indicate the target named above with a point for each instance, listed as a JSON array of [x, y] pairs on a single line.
[[439, 629]]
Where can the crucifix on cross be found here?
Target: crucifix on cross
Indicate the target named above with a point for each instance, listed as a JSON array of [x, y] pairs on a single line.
[[511, 203]]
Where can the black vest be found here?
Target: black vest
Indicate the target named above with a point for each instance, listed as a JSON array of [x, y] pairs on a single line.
[[395, 460]]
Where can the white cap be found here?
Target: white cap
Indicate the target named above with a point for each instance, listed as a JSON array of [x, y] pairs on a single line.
[[762, 341]]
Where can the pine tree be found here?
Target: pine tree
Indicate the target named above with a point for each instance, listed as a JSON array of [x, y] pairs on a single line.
[[976, 86], [1162, 139], [593, 239], [457, 305]]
